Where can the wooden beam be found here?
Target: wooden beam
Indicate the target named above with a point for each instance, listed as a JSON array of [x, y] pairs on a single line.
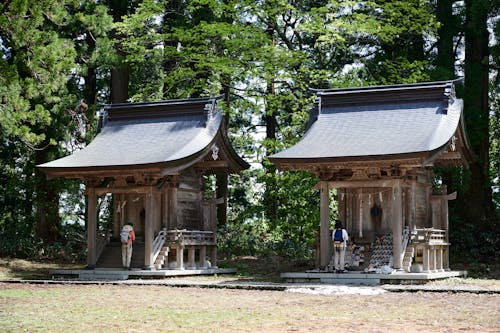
[[100, 173], [361, 183], [124, 189], [451, 196], [218, 164]]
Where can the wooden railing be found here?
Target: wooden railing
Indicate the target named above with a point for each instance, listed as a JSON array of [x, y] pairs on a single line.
[[432, 245], [430, 236], [406, 239], [158, 243], [190, 237]]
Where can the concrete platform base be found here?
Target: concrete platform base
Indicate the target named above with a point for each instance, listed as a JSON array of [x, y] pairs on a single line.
[[368, 279], [121, 274]]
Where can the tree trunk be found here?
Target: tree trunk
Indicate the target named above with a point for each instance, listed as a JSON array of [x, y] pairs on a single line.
[[445, 61], [270, 200], [172, 18], [119, 84], [445, 64], [90, 88], [47, 202], [478, 208], [121, 71], [222, 178], [271, 126]]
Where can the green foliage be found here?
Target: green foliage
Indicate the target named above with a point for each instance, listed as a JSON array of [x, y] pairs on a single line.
[[479, 270], [21, 242], [45, 48], [34, 62], [251, 232], [476, 243], [263, 55]]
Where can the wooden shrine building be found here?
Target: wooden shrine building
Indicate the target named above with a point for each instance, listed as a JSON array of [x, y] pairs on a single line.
[[152, 158], [377, 146]]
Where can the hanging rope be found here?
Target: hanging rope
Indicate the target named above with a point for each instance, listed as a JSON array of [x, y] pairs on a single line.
[[379, 192]]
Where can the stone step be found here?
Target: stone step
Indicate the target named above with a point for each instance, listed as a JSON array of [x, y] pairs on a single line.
[[110, 276], [350, 281]]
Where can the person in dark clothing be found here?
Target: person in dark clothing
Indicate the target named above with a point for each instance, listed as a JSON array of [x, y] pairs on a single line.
[[339, 238]]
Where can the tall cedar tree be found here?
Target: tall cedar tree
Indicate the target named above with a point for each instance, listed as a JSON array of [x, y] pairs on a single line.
[[36, 62], [478, 206]]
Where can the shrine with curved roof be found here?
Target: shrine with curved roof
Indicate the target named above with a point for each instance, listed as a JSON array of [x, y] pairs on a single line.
[[153, 158], [378, 146]]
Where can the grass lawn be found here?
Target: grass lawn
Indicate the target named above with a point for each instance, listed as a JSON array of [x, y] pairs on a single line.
[[129, 308], [111, 308], [11, 268]]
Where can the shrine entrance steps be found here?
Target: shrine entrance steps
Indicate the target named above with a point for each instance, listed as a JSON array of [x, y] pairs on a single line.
[[111, 256]]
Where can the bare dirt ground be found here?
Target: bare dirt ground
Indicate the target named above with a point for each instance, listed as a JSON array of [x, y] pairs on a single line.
[[105, 308]]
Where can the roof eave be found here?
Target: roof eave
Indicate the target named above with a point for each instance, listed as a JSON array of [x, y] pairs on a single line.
[[396, 159]]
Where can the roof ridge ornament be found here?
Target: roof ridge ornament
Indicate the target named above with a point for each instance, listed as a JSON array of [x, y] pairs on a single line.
[[314, 110], [215, 152], [449, 96], [211, 108], [453, 143]]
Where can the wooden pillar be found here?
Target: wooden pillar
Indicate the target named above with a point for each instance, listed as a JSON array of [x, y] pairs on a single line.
[[213, 256], [179, 251], [342, 206], [117, 214], [439, 262], [349, 220], [91, 228], [397, 225], [165, 208], [432, 258], [157, 225], [203, 256], [445, 221], [413, 206], [191, 257], [436, 203], [425, 259], [124, 214], [359, 215], [324, 225], [172, 215], [150, 205]]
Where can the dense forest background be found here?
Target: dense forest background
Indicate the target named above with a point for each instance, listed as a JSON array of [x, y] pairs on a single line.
[[62, 60]]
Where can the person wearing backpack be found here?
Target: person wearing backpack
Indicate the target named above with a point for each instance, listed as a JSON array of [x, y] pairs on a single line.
[[339, 238], [127, 236]]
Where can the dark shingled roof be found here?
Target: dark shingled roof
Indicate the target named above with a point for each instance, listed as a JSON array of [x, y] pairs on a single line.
[[378, 121], [145, 134]]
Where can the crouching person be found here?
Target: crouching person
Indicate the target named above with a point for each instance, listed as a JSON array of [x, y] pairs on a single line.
[[127, 237]]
